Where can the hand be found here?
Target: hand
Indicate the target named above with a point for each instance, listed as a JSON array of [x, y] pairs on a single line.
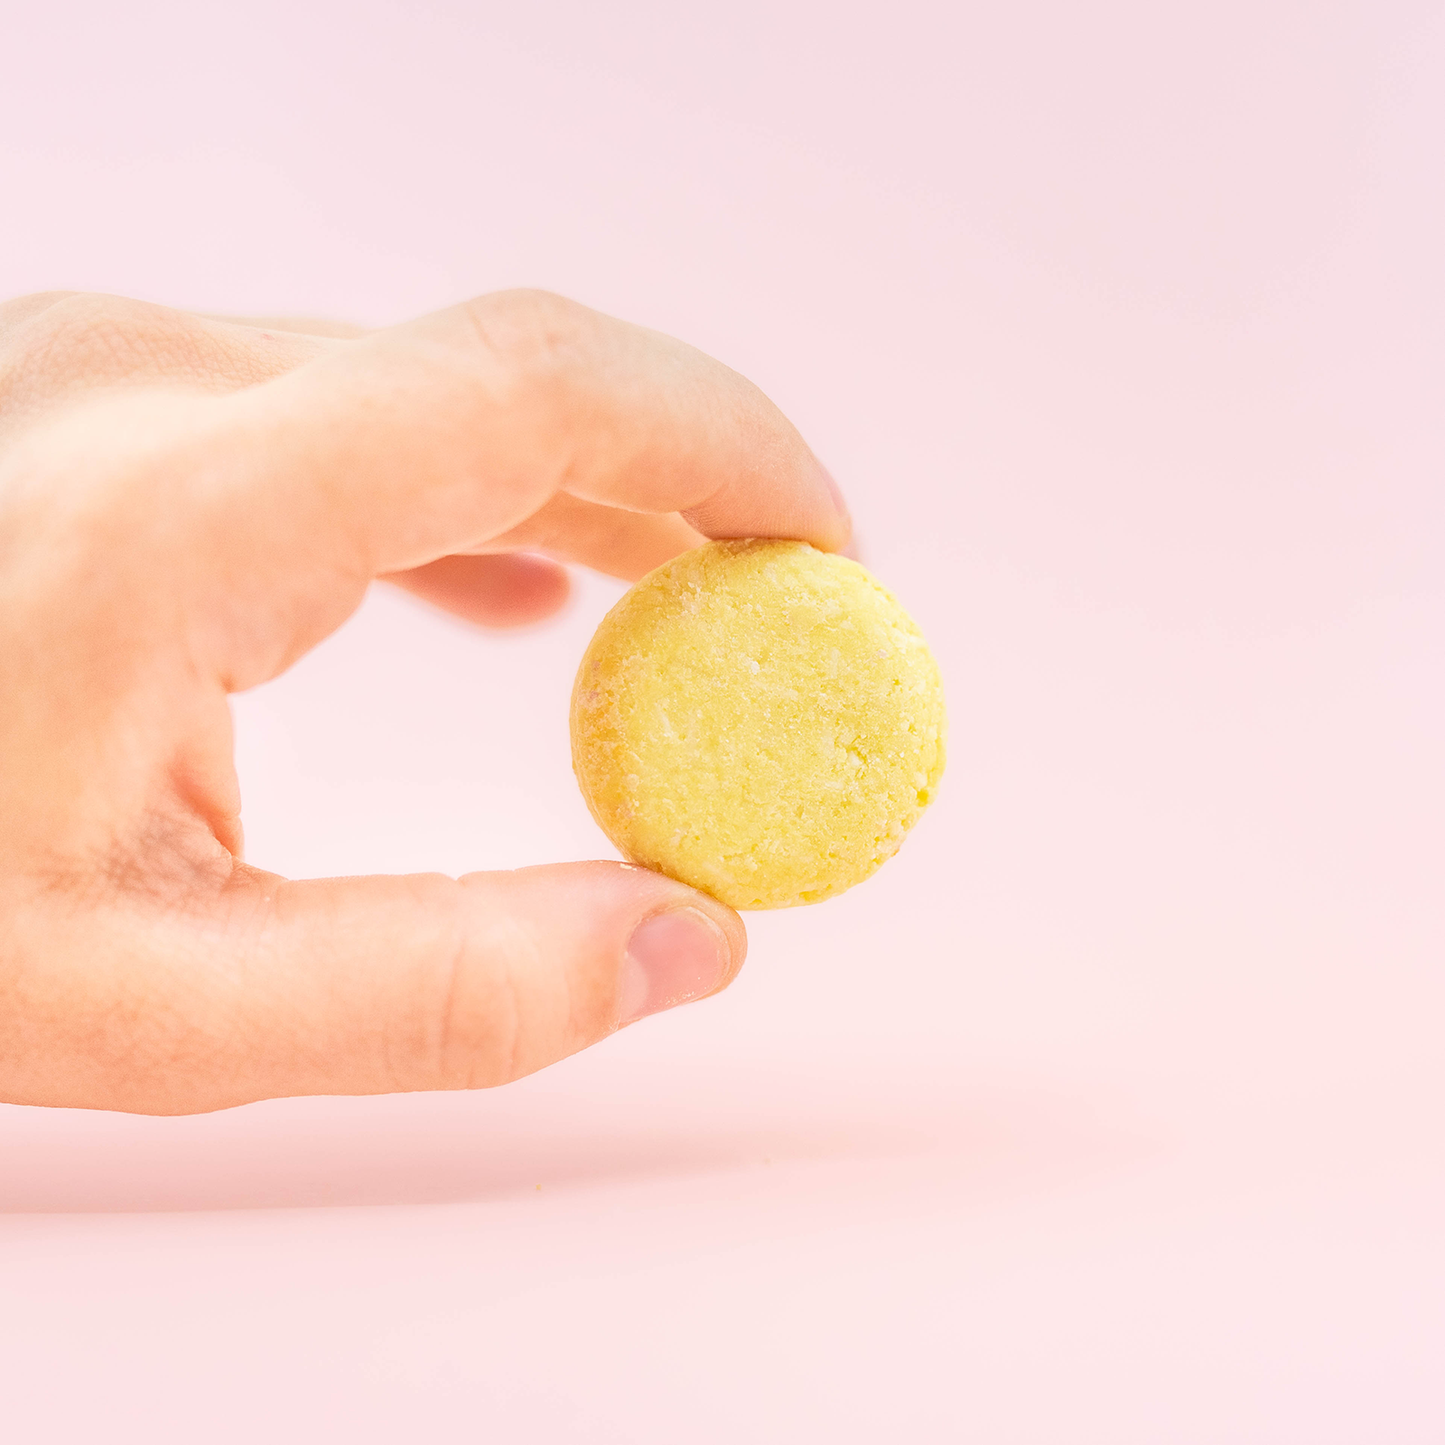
[[187, 505]]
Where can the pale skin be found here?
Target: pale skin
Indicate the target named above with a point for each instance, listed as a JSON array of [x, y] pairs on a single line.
[[188, 504]]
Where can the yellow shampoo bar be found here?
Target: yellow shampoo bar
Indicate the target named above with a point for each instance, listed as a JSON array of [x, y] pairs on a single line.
[[760, 720]]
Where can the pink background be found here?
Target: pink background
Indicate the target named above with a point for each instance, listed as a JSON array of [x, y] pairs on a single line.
[[1112, 1110]]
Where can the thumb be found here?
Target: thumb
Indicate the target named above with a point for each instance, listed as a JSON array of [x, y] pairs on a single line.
[[379, 985], [433, 983]]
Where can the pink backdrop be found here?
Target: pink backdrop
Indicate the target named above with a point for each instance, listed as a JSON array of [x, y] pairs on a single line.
[[1112, 1110]]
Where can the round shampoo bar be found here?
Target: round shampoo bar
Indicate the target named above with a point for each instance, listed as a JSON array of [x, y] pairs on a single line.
[[760, 720]]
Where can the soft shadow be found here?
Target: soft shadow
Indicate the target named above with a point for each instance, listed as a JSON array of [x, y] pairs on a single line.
[[452, 1148]]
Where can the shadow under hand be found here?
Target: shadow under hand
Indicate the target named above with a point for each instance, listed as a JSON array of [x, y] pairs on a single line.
[[452, 1148]]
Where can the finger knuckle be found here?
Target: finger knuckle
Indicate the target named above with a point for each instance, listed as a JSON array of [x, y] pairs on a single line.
[[82, 339], [83, 332], [537, 336], [20, 309]]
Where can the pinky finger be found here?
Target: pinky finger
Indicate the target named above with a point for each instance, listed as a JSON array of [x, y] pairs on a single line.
[[507, 589]]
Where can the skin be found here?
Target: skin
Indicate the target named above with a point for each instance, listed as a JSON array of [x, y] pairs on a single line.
[[188, 504]]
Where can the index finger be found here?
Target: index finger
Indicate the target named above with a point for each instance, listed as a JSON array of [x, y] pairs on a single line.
[[431, 437]]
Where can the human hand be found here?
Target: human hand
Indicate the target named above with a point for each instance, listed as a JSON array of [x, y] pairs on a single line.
[[187, 505]]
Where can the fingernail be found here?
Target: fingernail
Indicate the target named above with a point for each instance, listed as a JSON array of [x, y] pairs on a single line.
[[837, 492], [850, 548], [671, 959]]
